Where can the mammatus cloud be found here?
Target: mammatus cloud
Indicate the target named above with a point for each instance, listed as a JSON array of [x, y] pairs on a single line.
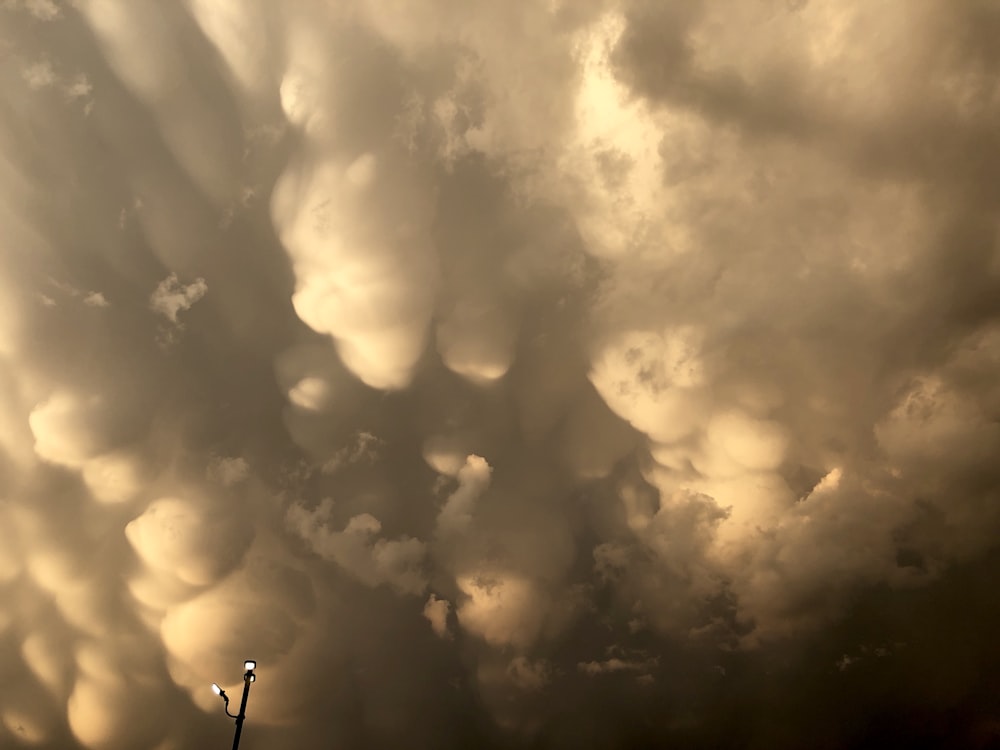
[[574, 374]]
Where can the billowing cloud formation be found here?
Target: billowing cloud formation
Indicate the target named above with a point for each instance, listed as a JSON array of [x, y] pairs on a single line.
[[171, 297], [436, 612], [359, 551], [553, 374], [456, 513]]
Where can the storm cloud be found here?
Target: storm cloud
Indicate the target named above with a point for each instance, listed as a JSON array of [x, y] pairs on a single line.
[[592, 374]]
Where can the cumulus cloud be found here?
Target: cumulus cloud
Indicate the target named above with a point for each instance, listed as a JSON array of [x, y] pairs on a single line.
[[96, 299], [619, 662], [359, 550], [363, 448], [436, 613], [529, 675], [228, 470], [44, 10], [39, 75], [171, 297], [456, 513]]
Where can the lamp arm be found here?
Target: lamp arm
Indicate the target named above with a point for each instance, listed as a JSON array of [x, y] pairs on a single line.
[[222, 694]]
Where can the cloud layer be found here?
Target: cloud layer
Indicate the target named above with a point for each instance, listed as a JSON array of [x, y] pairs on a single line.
[[545, 374]]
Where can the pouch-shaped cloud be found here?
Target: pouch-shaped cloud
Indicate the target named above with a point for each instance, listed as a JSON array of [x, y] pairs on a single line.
[[357, 234], [711, 286], [99, 712], [239, 30], [652, 380], [189, 539], [476, 340], [10, 555], [264, 608], [309, 393], [114, 477], [74, 427], [103, 698], [754, 444], [50, 660], [29, 721], [192, 122]]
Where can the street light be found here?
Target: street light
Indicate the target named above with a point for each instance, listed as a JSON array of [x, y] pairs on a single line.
[[249, 665]]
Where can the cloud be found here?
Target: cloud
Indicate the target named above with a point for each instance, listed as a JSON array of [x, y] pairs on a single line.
[[96, 299], [503, 610], [456, 513], [39, 75], [529, 675], [114, 477], [229, 471], [44, 10], [187, 539], [368, 286], [658, 340], [364, 449], [71, 428], [359, 551], [616, 664], [436, 612], [171, 297]]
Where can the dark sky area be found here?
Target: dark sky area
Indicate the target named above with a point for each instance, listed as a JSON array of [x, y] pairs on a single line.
[[531, 375]]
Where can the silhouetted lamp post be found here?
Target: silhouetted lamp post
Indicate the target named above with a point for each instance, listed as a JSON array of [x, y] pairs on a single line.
[[249, 665]]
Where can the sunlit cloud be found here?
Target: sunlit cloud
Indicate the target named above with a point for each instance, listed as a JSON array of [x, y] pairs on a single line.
[[546, 374]]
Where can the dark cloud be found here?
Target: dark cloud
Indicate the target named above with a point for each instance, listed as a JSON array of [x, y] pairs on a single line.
[[548, 374]]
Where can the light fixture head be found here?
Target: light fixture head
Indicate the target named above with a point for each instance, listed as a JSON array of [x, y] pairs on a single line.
[[216, 689], [249, 664]]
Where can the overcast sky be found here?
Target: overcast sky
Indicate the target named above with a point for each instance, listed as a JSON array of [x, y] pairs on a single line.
[[536, 374]]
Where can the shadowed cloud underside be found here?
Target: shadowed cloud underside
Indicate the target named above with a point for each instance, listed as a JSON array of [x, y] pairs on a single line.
[[548, 374]]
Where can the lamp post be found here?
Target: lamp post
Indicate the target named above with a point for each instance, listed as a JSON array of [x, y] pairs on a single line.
[[249, 665]]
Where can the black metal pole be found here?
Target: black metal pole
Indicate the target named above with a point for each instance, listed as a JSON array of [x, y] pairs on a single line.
[[243, 709]]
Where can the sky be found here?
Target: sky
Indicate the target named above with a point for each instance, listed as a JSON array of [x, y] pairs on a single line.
[[592, 374]]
